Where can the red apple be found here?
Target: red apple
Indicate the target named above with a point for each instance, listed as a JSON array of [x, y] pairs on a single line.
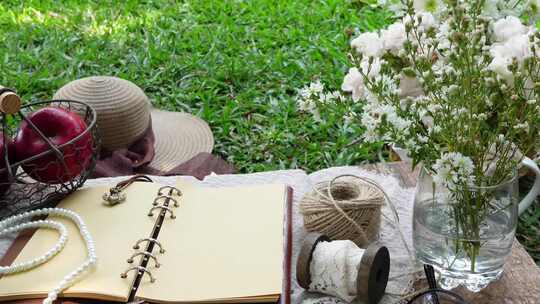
[[59, 126], [4, 175]]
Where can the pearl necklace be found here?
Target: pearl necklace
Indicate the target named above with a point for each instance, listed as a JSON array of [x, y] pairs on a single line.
[[24, 221]]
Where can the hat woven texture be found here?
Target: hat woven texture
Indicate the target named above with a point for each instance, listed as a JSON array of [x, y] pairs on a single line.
[[123, 110], [124, 114], [179, 137]]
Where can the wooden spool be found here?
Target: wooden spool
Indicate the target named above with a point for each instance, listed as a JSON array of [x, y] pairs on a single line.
[[373, 269], [10, 102]]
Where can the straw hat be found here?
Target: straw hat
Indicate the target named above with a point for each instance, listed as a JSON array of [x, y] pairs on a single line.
[[179, 137], [124, 115]]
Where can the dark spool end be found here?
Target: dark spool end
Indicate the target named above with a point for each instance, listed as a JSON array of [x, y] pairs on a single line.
[[373, 274], [303, 274]]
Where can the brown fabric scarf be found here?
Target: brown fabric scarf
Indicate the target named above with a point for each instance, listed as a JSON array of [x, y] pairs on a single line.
[[135, 160]]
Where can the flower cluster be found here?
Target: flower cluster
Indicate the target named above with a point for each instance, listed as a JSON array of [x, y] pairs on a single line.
[[448, 86], [313, 96], [453, 170], [529, 9], [512, 44], [456, 87]]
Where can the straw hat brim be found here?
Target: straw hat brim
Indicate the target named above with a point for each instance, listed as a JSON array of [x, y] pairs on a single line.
[[178, 138]]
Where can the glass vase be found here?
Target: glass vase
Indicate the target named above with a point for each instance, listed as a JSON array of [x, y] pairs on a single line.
[[467, 234]]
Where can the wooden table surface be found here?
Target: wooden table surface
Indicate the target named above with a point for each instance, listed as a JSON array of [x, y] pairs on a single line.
[[520, 283]]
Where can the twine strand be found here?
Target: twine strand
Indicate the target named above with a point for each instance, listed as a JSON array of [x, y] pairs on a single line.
[[342, 212]]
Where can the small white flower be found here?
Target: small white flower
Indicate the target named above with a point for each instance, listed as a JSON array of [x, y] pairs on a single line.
[[316, 87], [304, 104], [435, 130], [428, 21], [326, 98], [371, 70], [422, 139], [308, 97], [354, 83], [388, 82], [369, 44], [433, 108], [393, 37], [522, 126], [428, 121], [438, 67], [506, 28], [499, 65], [305, 92], [370, 122], [517, 47]]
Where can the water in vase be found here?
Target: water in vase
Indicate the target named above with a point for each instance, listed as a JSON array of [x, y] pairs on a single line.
[[463, 258]]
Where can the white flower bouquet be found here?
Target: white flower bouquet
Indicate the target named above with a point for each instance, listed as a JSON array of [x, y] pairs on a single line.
[[458, 88]]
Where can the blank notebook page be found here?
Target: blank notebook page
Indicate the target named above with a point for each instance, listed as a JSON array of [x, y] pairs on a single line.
[[225, 243]]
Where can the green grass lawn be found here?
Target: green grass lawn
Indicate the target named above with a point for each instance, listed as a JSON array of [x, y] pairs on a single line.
[[237, 64]]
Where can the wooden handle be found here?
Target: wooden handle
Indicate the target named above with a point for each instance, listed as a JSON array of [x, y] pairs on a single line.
[[10, 103]]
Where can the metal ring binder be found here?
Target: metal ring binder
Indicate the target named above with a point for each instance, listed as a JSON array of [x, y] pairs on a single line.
[[172, 190], [156, 201], [146, 254], [164, 208], [167, 198], [136, 246], [140, 270]]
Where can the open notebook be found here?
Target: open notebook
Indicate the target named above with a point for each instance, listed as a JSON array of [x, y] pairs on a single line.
[[225, 245]]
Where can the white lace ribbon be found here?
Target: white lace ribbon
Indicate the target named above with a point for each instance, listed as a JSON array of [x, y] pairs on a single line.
[[334, 268]]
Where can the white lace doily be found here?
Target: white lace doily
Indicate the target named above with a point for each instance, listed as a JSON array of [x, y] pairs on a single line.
[[302, 183]]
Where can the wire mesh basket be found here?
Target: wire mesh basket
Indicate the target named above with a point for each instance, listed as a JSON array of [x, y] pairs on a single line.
[[36, 180]]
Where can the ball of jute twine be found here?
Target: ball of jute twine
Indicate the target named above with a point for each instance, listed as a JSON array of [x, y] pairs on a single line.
[[345, 208]]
